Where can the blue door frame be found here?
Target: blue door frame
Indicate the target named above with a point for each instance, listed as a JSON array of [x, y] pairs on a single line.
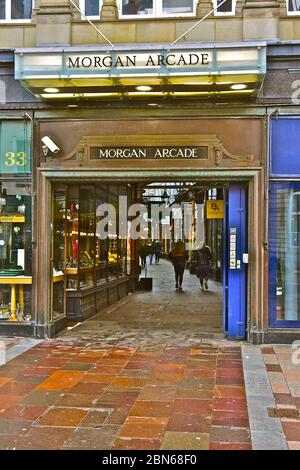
[[234, 268]]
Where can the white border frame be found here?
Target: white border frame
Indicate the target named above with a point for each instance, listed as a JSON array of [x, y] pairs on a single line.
[[9, 20]]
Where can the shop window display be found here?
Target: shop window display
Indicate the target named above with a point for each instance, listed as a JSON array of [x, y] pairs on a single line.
[[84, 260], [284, 264], [15, 251]]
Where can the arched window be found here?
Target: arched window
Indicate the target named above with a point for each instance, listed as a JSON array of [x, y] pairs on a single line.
[[15, 10], [293, 7]]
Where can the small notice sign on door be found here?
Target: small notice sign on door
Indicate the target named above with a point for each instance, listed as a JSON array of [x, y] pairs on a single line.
[[215, 209]]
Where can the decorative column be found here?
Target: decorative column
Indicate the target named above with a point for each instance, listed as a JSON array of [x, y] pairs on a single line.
[[13, 303], [283, 5], [261, 20], [53, 22], [204, 7], [239, 7], [109, 10]]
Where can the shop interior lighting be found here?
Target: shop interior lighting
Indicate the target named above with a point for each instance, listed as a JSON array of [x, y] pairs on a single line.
[[239, 86], [143, 88], [51, 90]]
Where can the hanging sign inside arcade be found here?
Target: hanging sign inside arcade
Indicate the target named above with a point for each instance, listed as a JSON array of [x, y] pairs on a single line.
[[215, 209], [152, 153]]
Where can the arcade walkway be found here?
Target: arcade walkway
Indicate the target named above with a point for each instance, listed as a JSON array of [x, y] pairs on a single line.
[[150, 372], [156, 319]]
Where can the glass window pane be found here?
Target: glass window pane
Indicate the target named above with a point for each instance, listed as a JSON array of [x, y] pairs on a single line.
[[137, 7], [15, 251], [294, 5], [58, 253], [87, 241], [92, 8], [177, 6], [21, 9], [284, 261], [2, 9], [226, 7]]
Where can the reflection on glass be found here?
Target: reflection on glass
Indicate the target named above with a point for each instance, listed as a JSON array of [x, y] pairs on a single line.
[[21, 9], [226, 7], [58, 255], [285, 249], [137, 7], [101, 243], [2, 9], [177, 6], [92, 8], [294, 5], [86, 236]]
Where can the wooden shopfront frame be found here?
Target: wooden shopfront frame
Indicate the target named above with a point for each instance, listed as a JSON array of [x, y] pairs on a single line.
[[220, 166]]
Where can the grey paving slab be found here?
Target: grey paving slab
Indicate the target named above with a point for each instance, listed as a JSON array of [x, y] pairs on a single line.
[[266, 432], [7, 354], [264, 440]]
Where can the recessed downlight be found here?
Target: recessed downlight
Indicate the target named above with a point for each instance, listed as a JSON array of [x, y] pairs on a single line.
[[143, 88], [239, 86], [51, 90]]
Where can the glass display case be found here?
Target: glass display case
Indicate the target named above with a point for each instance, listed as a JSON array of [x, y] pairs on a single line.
[[80, 238], [88, 251]]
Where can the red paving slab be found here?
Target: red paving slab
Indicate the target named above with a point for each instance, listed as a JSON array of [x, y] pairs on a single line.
[[74, 397], [284, 375]]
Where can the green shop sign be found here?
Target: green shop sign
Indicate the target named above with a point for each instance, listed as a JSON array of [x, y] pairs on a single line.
[[14, 147]]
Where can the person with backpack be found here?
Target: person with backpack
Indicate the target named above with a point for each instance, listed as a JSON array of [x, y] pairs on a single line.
[[204, 257], [179, 256]]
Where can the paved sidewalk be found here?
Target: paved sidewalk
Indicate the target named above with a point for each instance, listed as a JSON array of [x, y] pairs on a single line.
[[283, 366], [152, 371], [59, 397], [11, 347]]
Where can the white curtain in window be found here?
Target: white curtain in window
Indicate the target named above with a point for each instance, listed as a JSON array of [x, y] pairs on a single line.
[[294, 5]]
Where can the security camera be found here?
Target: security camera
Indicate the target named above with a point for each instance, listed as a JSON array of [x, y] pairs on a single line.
[[50, 145]]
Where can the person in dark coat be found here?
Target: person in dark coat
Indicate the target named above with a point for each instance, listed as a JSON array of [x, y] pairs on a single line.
[[179, 256], [157, 252], [204, 257], [143, 252]]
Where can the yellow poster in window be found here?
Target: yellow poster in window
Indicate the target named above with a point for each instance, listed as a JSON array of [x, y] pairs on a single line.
[[215, 209]]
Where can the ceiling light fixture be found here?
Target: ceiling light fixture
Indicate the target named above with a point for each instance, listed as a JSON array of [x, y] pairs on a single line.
[[238, 86], [51, 90], [143, 88]]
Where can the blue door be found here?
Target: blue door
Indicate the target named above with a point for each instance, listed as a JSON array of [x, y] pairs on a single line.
[[235, 262]]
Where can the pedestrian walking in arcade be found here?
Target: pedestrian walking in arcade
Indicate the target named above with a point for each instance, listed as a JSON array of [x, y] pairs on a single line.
[[204, 257], [157, 252], [179, 256]]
